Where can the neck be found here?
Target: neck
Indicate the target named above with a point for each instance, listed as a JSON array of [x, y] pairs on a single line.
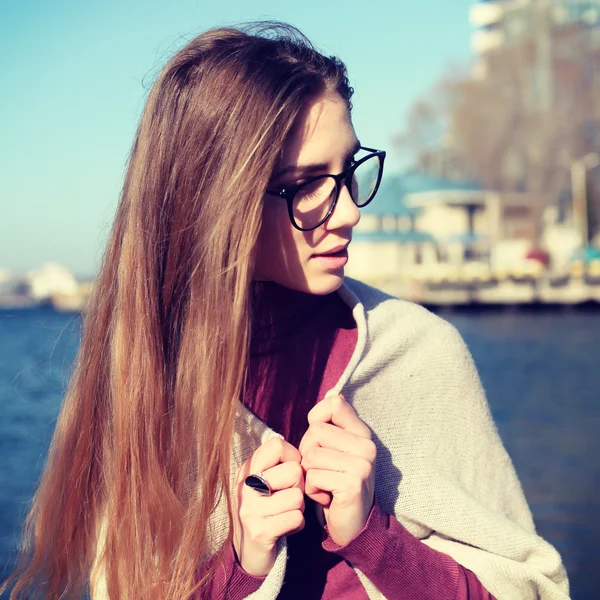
[[272, 302]]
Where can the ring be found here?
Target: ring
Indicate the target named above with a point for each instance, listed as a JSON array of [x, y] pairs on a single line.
[[259, 484]]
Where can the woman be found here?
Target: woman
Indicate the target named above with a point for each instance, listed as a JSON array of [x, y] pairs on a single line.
[[243, 422]]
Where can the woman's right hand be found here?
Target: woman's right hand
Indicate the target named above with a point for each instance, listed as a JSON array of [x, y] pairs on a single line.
[[262, 520]]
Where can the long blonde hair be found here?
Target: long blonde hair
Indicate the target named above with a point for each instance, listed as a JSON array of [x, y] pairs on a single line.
[[148, 417]]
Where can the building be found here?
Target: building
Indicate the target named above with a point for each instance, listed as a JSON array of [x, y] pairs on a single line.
[[499, 22], [420, 225], [554, 28], [387, 241], [466, 220], [486, 18]]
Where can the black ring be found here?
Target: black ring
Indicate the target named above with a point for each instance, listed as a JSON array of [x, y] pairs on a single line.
[[259, 484]]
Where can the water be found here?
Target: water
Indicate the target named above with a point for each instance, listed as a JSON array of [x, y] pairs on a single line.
[[37, 348], [542, 376]]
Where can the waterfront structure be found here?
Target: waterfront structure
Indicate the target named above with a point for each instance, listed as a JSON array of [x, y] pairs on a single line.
[[6, 281], [387, 240], [469, 243], [48, 280], [51, 284], [419, 219], [424, 224]]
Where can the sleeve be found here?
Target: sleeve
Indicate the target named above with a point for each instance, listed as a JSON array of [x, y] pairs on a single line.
[[229, 579], [459, 491], [403, 568]]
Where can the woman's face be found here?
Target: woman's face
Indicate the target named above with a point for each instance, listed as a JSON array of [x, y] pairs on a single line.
[[323, 141]]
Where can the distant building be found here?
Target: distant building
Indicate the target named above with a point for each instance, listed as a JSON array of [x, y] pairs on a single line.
[[52, 284], [555, 29], [499, 22], [418, 219], [455, 213], [486, 18], [50, 279], [8, 283], [387, 239], [465, 219]]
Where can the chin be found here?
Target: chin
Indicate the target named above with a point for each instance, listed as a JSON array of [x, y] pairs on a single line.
[[325, 284], [319, 284]]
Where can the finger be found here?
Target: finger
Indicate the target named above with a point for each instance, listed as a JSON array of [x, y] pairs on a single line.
[[334, 409], [285, 475], [322, 498], [285, 523], [272, 453], [320, 480], [334, 460], [280, 502], [330, 436]]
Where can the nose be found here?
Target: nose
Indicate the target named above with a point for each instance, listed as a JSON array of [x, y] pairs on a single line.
[[345, 213]]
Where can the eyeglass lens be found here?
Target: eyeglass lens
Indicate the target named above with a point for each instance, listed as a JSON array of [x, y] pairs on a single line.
[[313, 201]]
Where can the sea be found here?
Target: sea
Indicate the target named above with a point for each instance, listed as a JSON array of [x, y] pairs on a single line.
[[540, 369]]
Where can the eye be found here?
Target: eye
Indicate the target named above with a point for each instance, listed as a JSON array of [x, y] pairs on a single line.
[[350, 160]]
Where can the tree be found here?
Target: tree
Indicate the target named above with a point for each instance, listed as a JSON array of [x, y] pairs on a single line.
[[520, 125]]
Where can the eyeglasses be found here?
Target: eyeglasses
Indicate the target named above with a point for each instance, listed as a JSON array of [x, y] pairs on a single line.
[[311, 202]]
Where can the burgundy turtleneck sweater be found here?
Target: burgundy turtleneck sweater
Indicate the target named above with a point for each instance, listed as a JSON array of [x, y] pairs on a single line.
[[301, 344]]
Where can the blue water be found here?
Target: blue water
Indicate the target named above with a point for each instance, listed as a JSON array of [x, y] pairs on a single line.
[[541, 372]]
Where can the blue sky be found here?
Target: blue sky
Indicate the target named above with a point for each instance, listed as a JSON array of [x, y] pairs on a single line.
[[74, 77]]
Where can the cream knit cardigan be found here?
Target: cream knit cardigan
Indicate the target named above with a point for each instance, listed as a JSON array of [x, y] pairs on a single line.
[[441, 467]]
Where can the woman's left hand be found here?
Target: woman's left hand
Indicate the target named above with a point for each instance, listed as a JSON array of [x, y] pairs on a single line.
[[338, 457]]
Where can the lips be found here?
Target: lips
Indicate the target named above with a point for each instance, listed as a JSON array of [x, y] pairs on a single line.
[[334, 251]]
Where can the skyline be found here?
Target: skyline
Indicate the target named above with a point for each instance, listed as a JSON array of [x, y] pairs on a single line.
[[76, 78]]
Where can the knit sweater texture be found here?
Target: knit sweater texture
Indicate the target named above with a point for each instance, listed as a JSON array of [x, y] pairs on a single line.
[[301, 344], [441, 468]]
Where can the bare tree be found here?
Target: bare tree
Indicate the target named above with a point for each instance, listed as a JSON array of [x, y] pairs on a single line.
[[508, 131]]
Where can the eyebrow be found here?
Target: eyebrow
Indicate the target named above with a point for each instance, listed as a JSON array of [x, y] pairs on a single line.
[[313, 168]]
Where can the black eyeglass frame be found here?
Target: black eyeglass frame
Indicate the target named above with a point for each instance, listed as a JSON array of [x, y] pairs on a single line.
[[345, 176]]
